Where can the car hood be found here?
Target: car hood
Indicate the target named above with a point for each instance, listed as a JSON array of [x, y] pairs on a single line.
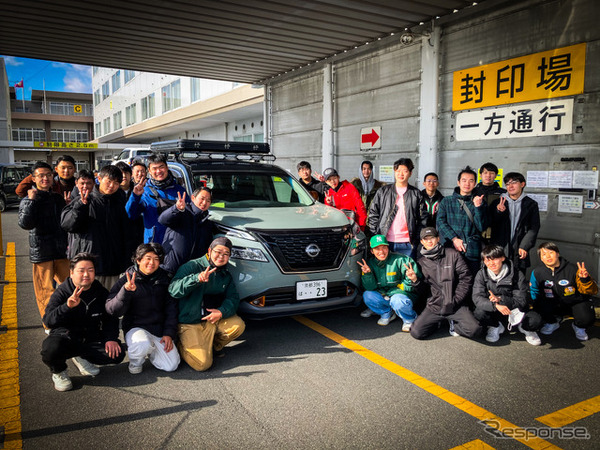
[[286, 218]]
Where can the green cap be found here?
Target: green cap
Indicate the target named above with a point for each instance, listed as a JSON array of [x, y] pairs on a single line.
[[377, 240]]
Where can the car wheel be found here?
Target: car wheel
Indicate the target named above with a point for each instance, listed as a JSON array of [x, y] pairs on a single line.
[[2, 204]]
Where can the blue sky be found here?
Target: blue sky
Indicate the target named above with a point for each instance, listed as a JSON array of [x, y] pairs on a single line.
[[57, 76]]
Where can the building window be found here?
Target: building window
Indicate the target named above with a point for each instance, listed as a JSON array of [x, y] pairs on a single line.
[[60, 135], [117, 121], [148, 107], [171, 96], [69, 109], [195, 89], [28, 134], [116, 81], [98, 129], [105, 90], [96, 97], [106, 125], [130, 114], [128, 75]]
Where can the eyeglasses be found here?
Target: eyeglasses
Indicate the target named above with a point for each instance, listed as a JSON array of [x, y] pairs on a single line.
[[431, 181], [44, 175], [511, 182], [221, 254]]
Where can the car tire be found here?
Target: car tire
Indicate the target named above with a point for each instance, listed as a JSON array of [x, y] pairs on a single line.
[[2, 204]]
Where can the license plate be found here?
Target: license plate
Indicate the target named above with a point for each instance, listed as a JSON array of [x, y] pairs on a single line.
[[311, 289]]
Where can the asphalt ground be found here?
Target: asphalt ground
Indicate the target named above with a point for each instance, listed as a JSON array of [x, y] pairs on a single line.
[[332, 380]]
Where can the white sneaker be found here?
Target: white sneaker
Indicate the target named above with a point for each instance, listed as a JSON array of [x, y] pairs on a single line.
[[550, 328], [85, 367], [580, 333], [531, 336], [406, 327], [451, 330], [493, 333], [62, 382], [135, 369], [383, 321], [366, 313]]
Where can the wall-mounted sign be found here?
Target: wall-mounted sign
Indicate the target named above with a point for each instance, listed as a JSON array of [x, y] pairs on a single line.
[[44, 144], [516, 121], [370, 138], [77, 109], [551, 74]]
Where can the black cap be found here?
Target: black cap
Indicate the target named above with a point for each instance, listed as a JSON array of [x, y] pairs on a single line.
[[429, 231], [222, 240], [330, 172]]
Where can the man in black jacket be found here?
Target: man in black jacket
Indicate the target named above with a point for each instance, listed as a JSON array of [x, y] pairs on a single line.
[[315, 187], [515, 221], [401, 230], [39, 213], [97, 223], [450, 280], [432, 196], [80, 327]]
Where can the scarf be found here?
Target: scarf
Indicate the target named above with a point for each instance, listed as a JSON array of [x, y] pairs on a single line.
[[503, 272], [161, 185], [433, 253]]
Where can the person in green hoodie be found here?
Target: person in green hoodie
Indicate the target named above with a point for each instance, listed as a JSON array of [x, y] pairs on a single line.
[[208, 302], [391, 282]]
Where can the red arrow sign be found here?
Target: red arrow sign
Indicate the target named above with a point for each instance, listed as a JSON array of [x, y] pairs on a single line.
[[371, 138]]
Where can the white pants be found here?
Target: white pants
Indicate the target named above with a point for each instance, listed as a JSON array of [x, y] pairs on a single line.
[[140, 344]]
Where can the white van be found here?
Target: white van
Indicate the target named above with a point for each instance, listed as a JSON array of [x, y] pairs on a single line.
[[127, 155]]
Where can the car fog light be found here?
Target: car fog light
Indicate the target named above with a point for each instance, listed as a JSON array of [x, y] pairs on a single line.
[[260, 301]]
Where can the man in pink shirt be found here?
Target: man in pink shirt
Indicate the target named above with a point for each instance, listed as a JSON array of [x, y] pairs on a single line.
[[398, 211]]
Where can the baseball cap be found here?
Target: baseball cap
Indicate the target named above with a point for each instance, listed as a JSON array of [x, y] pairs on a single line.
[[330, 172], [429, 231], [377, 240]]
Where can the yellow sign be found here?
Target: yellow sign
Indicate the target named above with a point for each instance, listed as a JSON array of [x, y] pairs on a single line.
[[555, 73], [44, 144], [77, 109]]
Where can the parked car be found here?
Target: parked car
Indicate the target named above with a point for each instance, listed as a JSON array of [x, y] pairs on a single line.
[[10, 177], [291, 255], [129, 154]]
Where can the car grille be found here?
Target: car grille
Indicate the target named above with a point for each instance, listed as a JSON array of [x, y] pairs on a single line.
[[290, 248]]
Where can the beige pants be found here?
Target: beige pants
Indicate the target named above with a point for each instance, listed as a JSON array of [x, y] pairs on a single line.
[[197, 341], [43, 274]]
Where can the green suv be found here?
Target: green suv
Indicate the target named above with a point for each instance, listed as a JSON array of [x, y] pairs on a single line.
[[291, 255]]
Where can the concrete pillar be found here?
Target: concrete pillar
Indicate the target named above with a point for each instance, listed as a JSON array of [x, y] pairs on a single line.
[[428, 142], [328, 157]]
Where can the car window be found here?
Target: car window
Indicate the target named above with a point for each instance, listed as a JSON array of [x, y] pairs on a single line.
[[123, 155], [10, 174], [253, 190], [143, 153]]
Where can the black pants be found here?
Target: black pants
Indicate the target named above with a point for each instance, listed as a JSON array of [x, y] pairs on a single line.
[[582, 311], [465, 323], [57, 348], [532, 321]]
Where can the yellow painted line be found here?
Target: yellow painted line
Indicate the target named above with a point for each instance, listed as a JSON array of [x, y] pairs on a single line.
[[530, 440], [477, 444], [572, 413], [10, 400]]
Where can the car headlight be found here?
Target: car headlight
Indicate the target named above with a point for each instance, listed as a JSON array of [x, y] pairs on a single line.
[[250, 254], [232, 232]]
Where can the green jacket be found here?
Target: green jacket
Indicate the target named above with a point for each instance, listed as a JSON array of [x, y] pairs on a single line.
[[194, 296], [389, 277]]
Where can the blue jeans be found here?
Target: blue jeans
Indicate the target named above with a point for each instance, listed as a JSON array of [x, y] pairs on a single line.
[[404, 248], [400, 303]]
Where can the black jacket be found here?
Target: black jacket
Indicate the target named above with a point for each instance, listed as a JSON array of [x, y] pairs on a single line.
[[99, 227], [41, 216], [150, 306], [383, 211], [88, 321], [525, 233], [316, 186], [449, 279], [512, 289], [432, 204], [188, 235]]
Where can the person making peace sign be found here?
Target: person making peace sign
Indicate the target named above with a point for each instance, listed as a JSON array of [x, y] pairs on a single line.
[[391, 281]]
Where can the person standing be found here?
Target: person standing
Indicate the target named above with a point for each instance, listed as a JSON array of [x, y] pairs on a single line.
[[39, 213], [490, 189], [515, 221], [398, 211], [208, 302], [432, 196], [62, 183], [151, 197], [80, 327], [149, 312], [315, 187], [366, 184], [462, 218], [342, 195]]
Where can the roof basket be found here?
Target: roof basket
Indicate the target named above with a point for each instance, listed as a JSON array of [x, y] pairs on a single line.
[[215, 150]]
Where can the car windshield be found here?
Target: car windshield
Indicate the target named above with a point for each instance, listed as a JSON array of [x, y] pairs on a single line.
[[253, 190]]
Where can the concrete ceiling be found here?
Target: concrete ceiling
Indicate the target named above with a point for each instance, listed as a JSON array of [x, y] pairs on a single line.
[[247, 41]]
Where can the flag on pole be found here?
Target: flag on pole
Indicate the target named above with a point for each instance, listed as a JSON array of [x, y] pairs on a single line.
[[19, 84]]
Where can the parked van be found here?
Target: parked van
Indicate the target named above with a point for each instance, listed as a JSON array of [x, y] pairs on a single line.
[[129, 154], [10, 177]]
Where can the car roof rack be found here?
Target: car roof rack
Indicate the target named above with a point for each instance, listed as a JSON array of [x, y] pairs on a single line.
[[214, 150]]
